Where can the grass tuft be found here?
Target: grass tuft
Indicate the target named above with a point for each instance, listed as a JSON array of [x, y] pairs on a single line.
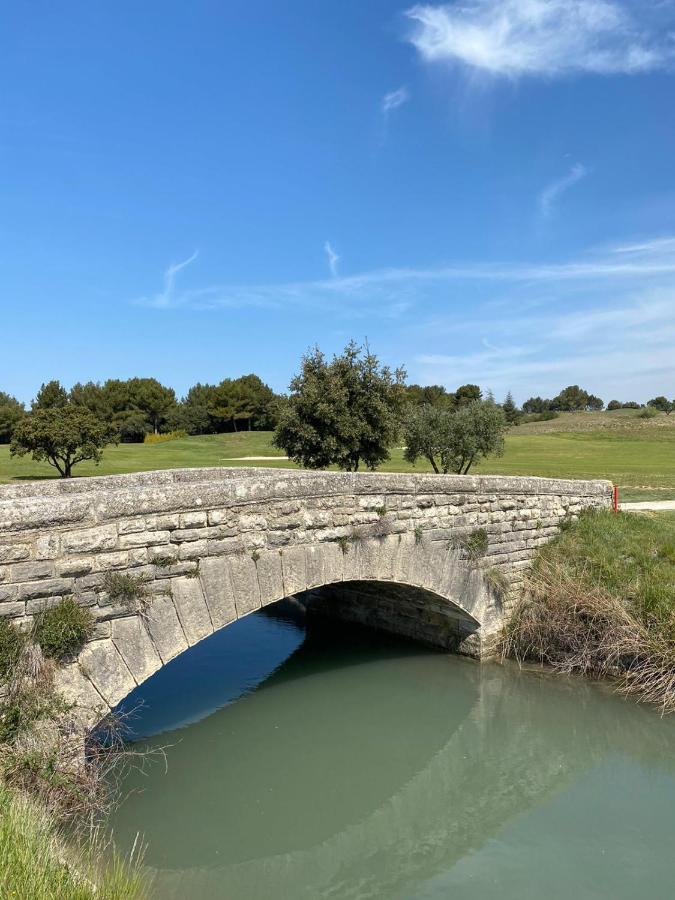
[[62, 629]]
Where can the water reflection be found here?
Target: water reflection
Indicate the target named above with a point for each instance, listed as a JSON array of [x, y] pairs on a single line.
[[365, 767]]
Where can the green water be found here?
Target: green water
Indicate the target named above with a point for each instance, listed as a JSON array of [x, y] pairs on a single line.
[[348, 765]]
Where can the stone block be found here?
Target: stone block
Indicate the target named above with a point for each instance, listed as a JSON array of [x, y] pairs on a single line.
[[31, 571], [14, 552], [76, 689], [246, 589], [135, 646], [101, 662], [165, 628], [49, 587], [270, 577], [102, 537], [214, 574], [143, 539], [191, 607], [294, 568]]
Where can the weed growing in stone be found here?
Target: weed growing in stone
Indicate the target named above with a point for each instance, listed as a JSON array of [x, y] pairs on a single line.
[[62, 629]]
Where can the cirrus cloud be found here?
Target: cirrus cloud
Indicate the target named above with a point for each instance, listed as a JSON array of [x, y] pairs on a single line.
[[552, 38]]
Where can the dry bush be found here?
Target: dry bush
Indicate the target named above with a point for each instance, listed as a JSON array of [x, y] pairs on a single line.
[[576, 627]]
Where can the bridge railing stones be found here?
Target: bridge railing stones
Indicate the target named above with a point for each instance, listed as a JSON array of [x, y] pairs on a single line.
[[214, 544]]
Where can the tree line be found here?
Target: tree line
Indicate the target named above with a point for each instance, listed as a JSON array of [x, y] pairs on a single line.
[[347, 411]]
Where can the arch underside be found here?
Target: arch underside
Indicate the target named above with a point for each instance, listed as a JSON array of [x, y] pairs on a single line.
[[108, 670]]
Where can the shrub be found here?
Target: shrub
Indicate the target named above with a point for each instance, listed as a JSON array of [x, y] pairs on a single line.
[[648, 413], [129, 590], [167, 436], [62, 630], [474, 544], [11, 642]]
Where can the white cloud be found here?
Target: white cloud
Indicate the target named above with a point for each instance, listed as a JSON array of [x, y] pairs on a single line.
[[166, 297], [552, 38], [553, 191], [394, 99], [333, 259]]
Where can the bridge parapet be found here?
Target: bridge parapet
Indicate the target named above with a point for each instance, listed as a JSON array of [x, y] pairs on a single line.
[[212, 545]]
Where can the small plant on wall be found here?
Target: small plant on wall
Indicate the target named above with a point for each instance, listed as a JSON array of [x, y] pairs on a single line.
[[128, 590], [62, 630]]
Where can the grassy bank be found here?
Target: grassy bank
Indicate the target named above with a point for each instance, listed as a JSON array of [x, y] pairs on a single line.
[[637, 455], [601, 602], [36, 863]]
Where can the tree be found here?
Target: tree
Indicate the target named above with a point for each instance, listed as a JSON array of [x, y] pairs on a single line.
[[663, 404], [614, 404], [511, 411], [345, 412], [452, 441], [93, 397], [536, 405], [51, 395], [573, 399], [63, 436], [153, 399], [432, 394], [467, 393], [11, 412]]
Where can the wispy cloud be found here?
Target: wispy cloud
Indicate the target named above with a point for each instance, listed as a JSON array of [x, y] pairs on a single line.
[[394, 99], [553, 191], [166, 297], [514, 38], [333, 259]]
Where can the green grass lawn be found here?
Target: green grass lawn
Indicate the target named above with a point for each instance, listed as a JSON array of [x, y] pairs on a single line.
[[641, 460]]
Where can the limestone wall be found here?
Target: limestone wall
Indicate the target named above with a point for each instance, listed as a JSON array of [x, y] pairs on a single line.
[[215, 544]]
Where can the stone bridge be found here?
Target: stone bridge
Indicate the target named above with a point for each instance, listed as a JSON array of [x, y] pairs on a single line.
[[438, 558]]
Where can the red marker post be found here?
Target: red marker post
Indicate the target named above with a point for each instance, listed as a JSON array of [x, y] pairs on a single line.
[[616, 498]]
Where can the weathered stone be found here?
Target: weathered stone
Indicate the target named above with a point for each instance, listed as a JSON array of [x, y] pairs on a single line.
[[14, 552], [104, 667], [270, 578], [77, 689], [133, 643], [102, 537], [165, 628], [31, 571], [50, 587], [191, 607], [294, 568], [214, 575], [226, 541], [244, 583]]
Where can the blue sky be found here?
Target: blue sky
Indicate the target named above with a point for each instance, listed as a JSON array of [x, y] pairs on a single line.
[[483, 189]]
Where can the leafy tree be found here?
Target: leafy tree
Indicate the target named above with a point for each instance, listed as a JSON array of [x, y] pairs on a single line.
[[536, 405], [63, 436], [573, 399], [51, 395], [452, 441], [467, 393], [511, 411], [153, 399], [345, 412], [11, 411], [94, 398], [663, 404], [614, 404], [432, 394], [631, 404]]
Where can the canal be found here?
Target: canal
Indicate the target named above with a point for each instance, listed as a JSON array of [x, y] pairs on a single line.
[[334, 762]]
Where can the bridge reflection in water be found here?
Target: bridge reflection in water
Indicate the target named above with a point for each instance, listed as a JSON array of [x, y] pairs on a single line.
[[363, 767]]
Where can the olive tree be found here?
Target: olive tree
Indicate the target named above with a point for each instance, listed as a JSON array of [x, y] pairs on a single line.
[[663, 404], [344, 412], [63, 436], [453, 440]]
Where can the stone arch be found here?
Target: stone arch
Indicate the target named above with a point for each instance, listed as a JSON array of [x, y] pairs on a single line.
[[416, 588]]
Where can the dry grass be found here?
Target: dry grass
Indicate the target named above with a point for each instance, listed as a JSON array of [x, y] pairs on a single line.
[[600, 601]]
